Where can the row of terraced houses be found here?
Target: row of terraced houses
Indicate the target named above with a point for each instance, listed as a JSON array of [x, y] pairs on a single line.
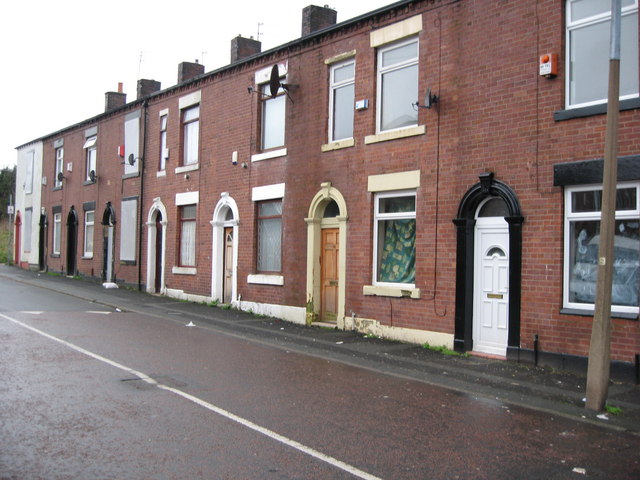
[[429, 172]]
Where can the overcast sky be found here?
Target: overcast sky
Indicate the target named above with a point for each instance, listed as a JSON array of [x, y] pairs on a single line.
[[60, 57]]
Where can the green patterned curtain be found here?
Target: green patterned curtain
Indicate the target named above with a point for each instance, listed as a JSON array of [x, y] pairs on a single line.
[[398, 262]]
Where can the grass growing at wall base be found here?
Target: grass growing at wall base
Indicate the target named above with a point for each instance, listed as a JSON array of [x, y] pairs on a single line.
[[5, 241]]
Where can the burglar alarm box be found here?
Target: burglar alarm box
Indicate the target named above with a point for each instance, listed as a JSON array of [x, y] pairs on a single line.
[[549, 65]]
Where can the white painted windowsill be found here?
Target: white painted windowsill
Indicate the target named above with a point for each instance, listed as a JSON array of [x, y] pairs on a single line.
[[262, 279], [397, 292], [184, 270]]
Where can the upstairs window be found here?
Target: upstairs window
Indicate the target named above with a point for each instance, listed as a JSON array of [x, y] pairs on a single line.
[[341, 100], [397, 85], [90, 158], [190, 135], [395, 239], [164, 152], [132, 143], [588, 40], [583, 207], [28, 182], [273, 118], [57, 176]]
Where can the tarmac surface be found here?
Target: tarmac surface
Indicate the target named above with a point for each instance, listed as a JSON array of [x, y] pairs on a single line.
[[552, 391]]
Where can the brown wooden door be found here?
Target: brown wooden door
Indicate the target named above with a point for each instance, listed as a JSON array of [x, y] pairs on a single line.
[[329, 269], [228, 264]]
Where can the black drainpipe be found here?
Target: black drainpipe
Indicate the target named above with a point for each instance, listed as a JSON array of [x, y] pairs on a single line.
[[145, 106]]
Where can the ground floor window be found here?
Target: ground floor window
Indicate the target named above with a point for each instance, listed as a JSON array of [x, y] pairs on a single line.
[[188, 236], [89, 217], [270, 236], [582, 240], [395, 238], [57, 232]]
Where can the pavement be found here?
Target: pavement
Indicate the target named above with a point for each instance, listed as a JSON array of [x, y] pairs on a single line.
[[555, 392]]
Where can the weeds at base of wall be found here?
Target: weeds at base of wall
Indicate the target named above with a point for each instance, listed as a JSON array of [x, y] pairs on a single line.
[[5, 242], [444, 350], [610, 409]]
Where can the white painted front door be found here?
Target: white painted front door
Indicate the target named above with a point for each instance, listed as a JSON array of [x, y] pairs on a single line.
[[491, 286]]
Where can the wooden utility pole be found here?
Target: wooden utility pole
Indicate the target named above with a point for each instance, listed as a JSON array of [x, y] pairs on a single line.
[[600, 348]]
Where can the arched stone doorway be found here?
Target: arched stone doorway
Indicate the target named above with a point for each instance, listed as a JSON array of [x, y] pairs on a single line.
[[224, 250], [156, 247], [326, 257], [470, 252]]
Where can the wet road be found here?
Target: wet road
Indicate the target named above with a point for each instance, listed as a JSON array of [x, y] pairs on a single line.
[[87, 392]]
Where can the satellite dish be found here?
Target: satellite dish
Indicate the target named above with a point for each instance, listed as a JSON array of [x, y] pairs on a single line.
[[131, 159], [92, 176], [430, 99], [274, 81], [60, 176]]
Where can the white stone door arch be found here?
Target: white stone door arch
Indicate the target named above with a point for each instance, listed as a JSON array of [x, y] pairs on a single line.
[[156, 209], [225, 216], [316, 221]]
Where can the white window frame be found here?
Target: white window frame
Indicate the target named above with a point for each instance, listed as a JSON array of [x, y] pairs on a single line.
[[89, 230], [377, 218], [259, 251], [189, 250], [268, 104], [591, 216], [91, 155], [128, 229], [164, 152], [59, 167], [572, 26], [57, 232], [338, 85], [28, 181], [190, 135], [132, 143], [381, 71], [27, 227]]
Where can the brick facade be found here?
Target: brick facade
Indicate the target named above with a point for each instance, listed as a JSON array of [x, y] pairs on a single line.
[[494, 113]]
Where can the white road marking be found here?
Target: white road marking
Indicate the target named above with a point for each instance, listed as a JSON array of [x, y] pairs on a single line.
[[198, 401]]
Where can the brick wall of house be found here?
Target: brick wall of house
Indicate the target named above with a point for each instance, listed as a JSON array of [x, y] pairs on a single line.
[[495, 114]]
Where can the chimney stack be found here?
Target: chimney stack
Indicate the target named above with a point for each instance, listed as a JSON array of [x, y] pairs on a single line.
[[244, 47], [113, 100], [147, 87], [316, 18], [189, 70]]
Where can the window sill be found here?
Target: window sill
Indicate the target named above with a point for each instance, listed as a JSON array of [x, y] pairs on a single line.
[[55, 189], [395, 134], [397, 292], [187, 168], [262, 279], [329, 147], [161, 173], [89, 182], [127, 262], [281, 152], [589, 313], [568, 114], [55, 255], [184, 270], [87, 257], [130, 175]]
